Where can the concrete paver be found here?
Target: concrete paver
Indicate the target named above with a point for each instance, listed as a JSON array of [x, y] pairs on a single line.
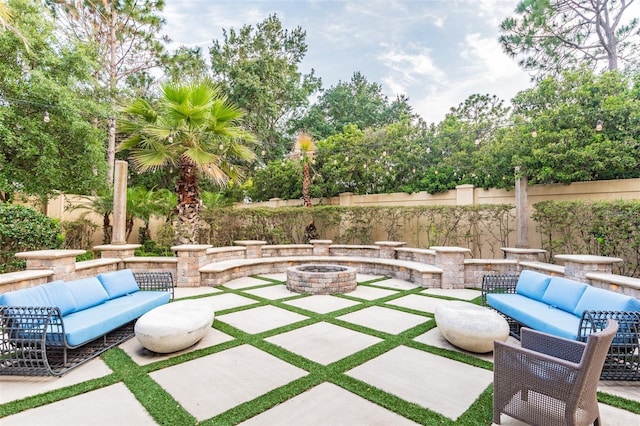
[[462, 293], [395, 283], [273, 292], [328, 404], [244, 282], [113, 405], [370, 293], [17, 387], [322, 304], [323, 343], [212, 384], [182, 292], [443, 385], [261, 319], [384, 319], [220, 302], [417, 302]]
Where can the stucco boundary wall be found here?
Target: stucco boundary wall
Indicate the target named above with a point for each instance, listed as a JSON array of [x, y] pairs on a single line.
[[65, 206], [458, 270]]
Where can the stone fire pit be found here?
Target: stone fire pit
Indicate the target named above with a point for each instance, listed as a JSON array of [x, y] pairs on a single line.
[[321, 279]]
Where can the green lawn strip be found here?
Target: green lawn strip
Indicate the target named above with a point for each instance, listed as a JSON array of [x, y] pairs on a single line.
[[39, 400], [158, 402], [619, 402], [481, 411]]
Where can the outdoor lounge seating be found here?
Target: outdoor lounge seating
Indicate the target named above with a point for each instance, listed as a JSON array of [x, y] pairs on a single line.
[[569, 309], [51, 328], [550, 380]]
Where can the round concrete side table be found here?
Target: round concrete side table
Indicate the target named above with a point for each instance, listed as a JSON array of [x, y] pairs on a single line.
[[174, 326], [469, 326]]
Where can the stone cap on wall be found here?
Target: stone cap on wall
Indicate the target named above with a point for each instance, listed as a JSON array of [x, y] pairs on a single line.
[[49, 254], [587, 258]]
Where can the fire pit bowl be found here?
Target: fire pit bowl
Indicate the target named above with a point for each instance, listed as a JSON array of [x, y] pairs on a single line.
[[321, 279]]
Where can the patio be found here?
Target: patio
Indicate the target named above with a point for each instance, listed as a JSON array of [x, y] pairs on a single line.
[[370, 357]]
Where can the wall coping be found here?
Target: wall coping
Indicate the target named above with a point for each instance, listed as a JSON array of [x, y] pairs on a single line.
[[416, 250], [517, 250], [117, 247], [224, 249], [249, 242], [93, 263], [443, 249], [490, 262], [587, 258], [558, 269], [49, 254], [29, 274], [390, 243], [285, 246], [150, 259], [615, 279], [191, 247]]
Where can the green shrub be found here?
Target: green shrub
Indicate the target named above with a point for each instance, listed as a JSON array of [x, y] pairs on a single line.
[[78, 234], [604, 228], [483, 228], [24, 229]]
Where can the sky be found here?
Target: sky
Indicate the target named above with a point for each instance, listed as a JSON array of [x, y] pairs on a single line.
[[436, 52]]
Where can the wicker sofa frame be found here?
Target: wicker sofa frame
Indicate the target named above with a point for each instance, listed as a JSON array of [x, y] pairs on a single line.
[[623, 359], [44, 351]]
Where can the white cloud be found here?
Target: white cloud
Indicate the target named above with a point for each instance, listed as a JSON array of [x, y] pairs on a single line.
[[487, 57], [411, 65]]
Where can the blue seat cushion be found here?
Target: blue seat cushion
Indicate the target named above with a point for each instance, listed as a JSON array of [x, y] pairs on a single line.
[[53, 294], [84, 326], [532, 284], [563, 293], [87, 292], [598, 299], [536, 315], [119, 283]]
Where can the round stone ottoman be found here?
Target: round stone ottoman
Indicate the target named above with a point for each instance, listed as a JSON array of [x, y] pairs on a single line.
[[470, 327], [174, 326]]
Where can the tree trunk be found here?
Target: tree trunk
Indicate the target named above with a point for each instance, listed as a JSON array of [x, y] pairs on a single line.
[[187, 223], [306, 185]]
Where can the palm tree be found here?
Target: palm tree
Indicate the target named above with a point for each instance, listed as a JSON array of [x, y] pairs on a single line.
[[145, 203], [194, 129], [304, 150]]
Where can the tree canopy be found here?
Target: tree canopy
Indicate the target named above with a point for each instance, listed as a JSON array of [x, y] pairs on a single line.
[[552, 36], [258, 69]]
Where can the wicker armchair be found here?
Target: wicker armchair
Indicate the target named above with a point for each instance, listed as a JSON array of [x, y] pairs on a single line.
[[550, 380]]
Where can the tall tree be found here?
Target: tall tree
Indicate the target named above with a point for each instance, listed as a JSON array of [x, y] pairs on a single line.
[[259, 70], [554, 35], [194, 129], [356, 102], [48, 142], [186, 64], [124, 34]]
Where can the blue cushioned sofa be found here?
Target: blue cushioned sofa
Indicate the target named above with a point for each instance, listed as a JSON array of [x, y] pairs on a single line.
[[569, 309], [53, 327]]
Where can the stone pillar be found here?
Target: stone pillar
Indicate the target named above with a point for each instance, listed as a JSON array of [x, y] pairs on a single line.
[[254, 247], [451, 261], [522, 254], [522, 211], [576, 266], [191, 257], [321, 247], [387, 248], [61, 262], [345, 198], [119, 234], [465, 195], [274, 202]]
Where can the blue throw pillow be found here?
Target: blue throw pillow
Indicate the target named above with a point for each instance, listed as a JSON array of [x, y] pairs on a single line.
[[87, 292], [532, 284], [563, 293], [598, 299], [53, 294], [119, 283]]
